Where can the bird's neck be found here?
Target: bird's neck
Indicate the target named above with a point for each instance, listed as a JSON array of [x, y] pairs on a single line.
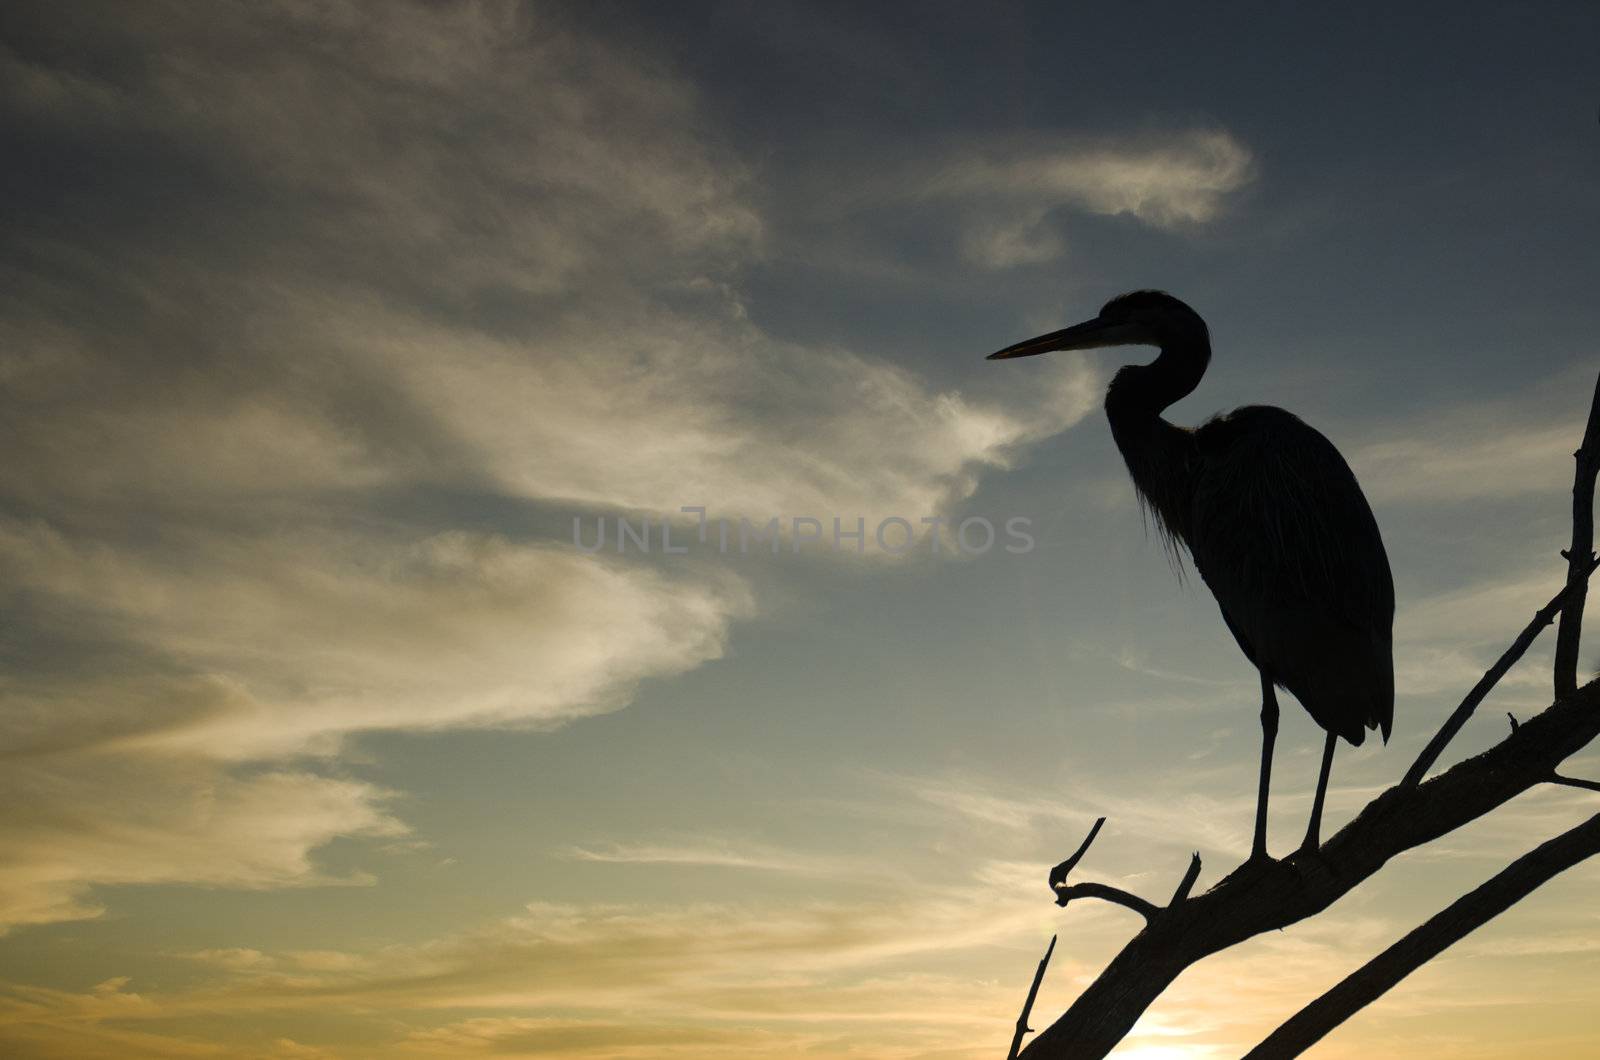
[[1146, 390], [1158, 454]]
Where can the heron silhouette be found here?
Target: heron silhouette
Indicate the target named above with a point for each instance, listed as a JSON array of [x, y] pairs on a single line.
[[1274, 521]]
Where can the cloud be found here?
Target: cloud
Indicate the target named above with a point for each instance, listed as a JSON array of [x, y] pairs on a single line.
[[72, 825], [757, 978], [322, 634], [1184, 815], [407, 271], [1182, 179], [712, 853], [1463, 461], [657, 412], [1510, 447], [543, 311], [566, 979], [524, 1036], [1446, 641]]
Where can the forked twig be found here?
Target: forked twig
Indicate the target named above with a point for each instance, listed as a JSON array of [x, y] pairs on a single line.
[[1105, 892], [1066, 892]]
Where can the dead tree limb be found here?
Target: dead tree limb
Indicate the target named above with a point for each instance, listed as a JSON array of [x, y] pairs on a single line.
[[1580, 555], [1027, 1006], [1463, 916], [1459, 717], [1265, 896], [1066, 892]]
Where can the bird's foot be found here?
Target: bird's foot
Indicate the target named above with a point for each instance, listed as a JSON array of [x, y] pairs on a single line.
[[1258, 860], [1259, 863]]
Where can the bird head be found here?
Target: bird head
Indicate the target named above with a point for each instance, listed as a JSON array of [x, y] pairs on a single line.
[[1139, 318]]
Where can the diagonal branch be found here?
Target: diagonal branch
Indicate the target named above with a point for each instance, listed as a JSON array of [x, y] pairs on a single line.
[[1447, 732], [1580, 553], [1463, 916], [1033, 994], [1186, 884], [1265, 896]]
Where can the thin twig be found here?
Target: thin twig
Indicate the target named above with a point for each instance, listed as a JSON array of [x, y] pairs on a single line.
[[1059, 874], [1575, 782], [1467, 913], [1027, 1006], [1441, 739], [1580, 553]]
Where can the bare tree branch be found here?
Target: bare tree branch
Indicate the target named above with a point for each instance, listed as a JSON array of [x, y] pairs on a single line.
[[1265, 896], [1033, 992], [1581, 553], [1447, 732], [1463, 916], [1105, 892]]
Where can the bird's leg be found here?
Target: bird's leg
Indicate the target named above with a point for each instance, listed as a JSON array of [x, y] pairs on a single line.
[[1269, 736], [1314, 829]]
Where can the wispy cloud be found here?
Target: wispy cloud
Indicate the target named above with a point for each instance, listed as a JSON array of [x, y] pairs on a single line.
[[1181, 179], [751, 978], [1445, 642], [710, 853], [228, 441], [1479, 451], [666, 980], [110, 820], [323, 635]]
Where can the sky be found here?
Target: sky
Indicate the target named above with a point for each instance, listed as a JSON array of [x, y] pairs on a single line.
[[332, 334]]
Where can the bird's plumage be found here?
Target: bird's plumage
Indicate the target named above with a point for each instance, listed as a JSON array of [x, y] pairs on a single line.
[[1285, 540]]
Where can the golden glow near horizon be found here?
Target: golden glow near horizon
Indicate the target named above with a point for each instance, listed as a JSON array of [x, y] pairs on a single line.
[[321, 325]]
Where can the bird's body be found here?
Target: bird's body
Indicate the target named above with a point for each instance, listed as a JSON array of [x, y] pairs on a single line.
[[1281, 534], [1271, 516]]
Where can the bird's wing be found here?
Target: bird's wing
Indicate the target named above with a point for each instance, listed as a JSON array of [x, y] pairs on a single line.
[[1286, 541]]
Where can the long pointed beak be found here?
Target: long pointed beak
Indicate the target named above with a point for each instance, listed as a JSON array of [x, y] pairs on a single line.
[[1089, 335]]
